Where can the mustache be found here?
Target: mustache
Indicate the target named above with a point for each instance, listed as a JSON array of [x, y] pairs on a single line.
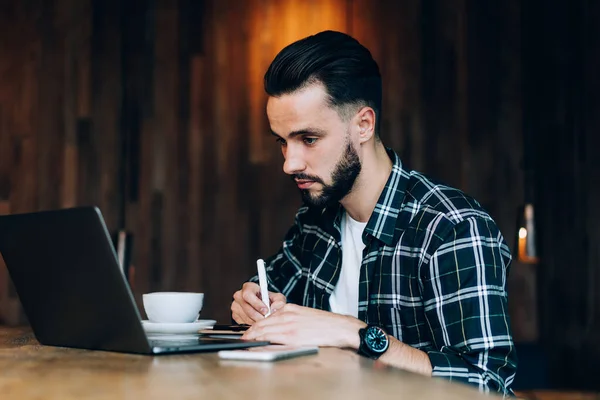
[[307, 177]]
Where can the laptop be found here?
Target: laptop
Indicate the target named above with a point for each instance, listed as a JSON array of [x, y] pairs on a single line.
[[66, 273]]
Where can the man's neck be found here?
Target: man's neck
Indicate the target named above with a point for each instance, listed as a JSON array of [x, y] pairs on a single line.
[[375, 171]]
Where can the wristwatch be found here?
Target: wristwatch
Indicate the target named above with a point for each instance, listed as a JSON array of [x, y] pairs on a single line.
[[373, 342]]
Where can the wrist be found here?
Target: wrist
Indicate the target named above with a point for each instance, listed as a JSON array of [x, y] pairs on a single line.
[[351, 338]]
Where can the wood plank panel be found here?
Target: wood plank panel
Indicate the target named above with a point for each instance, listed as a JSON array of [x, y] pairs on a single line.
[[88, 164], [196, 151], [225, 136], [83, 58], [237, 263], [19, 90], [5, 154], [259, 57], [555, 105], [4, 278], [167, 135], [182, 165], [69, 178], [77, 93], [24, 171], [50, 132], [145, 246], [136, 140], [398, 57], [24, 92], [209, 240], [106, 106]]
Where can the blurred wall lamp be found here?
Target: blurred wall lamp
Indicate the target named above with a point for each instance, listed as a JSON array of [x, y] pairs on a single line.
[[526, 248]]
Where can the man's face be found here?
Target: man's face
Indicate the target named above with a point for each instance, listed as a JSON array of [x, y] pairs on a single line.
[[316, 143]]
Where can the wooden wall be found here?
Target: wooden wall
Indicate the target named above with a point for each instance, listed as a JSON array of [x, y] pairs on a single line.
[[154, 111], [563, 125]]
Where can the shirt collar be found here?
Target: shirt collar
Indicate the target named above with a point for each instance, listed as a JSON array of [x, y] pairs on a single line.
[[382, 224]]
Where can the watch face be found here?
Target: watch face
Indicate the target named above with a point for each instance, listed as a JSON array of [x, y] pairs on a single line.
[[376, 339]]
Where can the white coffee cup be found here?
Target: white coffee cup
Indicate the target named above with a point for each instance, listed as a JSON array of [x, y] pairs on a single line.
[[173, 307]]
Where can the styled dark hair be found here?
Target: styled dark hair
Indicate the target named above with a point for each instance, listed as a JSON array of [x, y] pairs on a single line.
[[345, 67]]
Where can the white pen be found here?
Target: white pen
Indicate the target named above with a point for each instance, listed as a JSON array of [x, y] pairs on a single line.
[[262, 282]]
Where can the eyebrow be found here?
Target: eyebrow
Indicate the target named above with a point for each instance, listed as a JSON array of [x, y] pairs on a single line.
[[302, 132]]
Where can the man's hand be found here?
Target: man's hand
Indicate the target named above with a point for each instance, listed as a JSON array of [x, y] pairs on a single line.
[[247, 307], [304, 326]]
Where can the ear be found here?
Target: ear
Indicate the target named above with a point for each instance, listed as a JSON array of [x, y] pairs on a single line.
[[365, 120]]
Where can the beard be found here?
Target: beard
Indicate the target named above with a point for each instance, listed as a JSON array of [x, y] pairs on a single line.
[[343, 178]]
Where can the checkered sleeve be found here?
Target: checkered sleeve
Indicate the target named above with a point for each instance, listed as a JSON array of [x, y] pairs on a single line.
[[284, 269], [464, 290]]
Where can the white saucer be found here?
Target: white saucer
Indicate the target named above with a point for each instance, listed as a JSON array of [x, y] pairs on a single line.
[[177, 328]]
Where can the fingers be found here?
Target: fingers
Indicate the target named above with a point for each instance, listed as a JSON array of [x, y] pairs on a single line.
[[283, 317], [238, 314], [277, 306], [274, 333], [273, 297], [251, 295], [277, 300], [247, 306], [273, 338], [251, 308], [242, 313], [239, 319]]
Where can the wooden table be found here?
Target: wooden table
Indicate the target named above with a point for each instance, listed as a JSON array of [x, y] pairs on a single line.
[[31, 371]]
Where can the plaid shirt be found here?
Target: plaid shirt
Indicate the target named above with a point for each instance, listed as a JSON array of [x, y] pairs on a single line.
[[433, 275]]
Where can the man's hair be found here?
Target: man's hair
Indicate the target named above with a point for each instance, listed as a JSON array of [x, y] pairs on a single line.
[[339, 62]]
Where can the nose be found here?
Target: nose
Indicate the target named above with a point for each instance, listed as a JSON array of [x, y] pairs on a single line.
[[294, 160]]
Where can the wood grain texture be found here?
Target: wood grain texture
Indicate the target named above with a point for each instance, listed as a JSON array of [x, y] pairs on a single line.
[[5, 155], [559, 95], [106, 105], [32, 371], [166, 136], [211, 197]]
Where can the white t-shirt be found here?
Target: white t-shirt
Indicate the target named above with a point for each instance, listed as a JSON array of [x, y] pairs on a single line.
[[344, 299]]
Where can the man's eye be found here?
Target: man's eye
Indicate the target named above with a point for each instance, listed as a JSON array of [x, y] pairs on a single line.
[[280, 141], [310, 141]]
